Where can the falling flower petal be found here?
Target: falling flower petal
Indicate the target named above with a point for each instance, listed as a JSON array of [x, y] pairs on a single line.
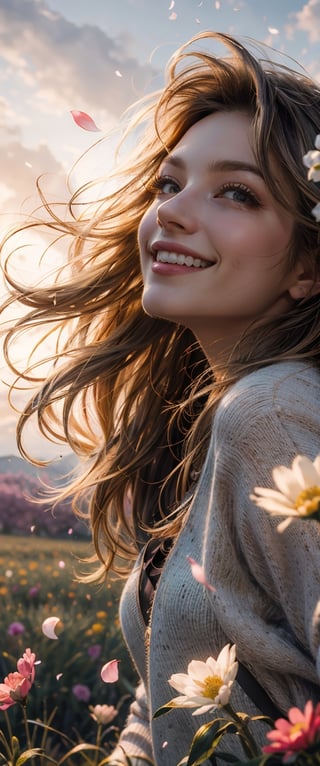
[[172, 16], [118, 73], [48, 627], [273, 31], [171, 5], [109, 672], [198, 573], [83, 120]]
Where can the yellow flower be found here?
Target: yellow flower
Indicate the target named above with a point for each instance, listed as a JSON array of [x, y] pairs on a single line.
[[97, 627], [208, 684], [298, 493]]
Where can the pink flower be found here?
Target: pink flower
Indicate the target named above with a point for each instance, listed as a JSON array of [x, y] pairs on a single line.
[[17, 685], [81, 692], [15, 629], [103, 713], [25, 665], [301, 730], [14, 689]]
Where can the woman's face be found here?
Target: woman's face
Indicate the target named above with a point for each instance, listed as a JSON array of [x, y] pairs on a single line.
[[214, 241]]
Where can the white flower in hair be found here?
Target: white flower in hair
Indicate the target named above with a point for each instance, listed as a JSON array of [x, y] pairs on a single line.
[[312, 161]]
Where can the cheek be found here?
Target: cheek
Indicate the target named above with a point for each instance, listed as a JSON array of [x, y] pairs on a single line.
[[146, 226]]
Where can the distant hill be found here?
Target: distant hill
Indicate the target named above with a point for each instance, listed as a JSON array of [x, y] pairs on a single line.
[[56, 470], [21, 484]]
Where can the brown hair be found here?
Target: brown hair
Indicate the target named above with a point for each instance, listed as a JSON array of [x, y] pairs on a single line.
[[137, 393]]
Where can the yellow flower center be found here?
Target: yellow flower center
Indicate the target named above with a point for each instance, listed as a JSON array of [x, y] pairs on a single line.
[[295, 728], [211, 686], [308, 501]]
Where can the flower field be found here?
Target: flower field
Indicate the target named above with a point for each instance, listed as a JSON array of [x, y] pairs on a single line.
[[38, 581]]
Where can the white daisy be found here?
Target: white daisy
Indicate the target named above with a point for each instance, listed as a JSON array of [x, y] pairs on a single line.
[[299, 491], [207, 685]]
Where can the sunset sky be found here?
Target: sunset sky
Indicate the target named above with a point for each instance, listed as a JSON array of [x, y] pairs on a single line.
[[99, 57]]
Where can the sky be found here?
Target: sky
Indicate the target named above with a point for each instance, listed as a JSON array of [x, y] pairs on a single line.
[[99, 57]]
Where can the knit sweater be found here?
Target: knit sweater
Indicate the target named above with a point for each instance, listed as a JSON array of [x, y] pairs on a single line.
[[267, 598]]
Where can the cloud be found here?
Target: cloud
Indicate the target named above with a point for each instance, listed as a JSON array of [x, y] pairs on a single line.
[[67, 62], [20, 167], [308, 20]]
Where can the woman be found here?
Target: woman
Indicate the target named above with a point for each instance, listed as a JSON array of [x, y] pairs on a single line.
[[190, 370]]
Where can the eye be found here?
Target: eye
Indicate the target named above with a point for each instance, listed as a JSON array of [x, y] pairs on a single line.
[[163, 185], [240, 193]]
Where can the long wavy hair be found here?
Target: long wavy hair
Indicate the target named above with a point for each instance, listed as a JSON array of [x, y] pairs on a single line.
[[134, 395]]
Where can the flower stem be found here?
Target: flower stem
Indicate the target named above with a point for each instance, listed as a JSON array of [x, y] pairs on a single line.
[[98, 743], [247, 740]]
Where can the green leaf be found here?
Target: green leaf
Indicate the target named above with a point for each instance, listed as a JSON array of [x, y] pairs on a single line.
[[206, 740], [164, 709]]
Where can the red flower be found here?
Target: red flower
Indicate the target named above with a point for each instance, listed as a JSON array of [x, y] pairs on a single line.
[[14, 689], [296, 734]]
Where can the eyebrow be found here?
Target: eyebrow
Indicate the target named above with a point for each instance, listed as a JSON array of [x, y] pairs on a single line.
[[218, 166]]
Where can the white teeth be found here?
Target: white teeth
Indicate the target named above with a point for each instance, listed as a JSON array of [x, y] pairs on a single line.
[[165, 256]]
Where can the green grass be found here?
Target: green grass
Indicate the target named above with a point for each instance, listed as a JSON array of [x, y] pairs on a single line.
[[38, 580]]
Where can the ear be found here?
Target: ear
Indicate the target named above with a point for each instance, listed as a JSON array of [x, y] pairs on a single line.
[[305, 288], [304, 285]]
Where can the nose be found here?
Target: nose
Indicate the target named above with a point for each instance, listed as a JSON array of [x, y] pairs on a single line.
[[177, 212]]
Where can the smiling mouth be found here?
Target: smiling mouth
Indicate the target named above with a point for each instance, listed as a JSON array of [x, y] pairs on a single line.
[[165, 256]]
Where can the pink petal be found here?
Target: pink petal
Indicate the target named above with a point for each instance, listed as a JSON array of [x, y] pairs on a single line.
[[83, 120], [198, 573], [109, 672]]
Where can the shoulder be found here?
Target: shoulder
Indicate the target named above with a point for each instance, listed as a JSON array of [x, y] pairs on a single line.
[[276, 384], [287, 393]]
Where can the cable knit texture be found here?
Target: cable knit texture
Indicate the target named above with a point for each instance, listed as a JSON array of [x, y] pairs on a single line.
[[267, 583]]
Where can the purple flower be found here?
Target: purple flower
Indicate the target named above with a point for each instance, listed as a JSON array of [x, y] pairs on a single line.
[[81, 692], [15, 629], [34, 591], [94, 651]]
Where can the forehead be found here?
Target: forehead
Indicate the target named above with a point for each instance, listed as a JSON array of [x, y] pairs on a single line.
[[222, 135]]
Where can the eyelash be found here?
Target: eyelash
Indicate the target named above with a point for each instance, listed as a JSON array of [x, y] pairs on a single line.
[[157, 184], [251, 198]]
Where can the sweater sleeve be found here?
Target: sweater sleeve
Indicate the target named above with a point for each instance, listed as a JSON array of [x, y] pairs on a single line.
[[135, 738], [267, 583]]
